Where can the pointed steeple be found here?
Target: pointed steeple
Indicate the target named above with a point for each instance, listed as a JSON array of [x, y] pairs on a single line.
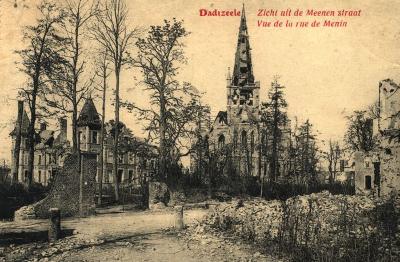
[[243, 68]]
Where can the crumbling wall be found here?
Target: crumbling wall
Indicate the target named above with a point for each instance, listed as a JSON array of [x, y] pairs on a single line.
[[390, 104], [64, 193], [361, 170], [390, 168]]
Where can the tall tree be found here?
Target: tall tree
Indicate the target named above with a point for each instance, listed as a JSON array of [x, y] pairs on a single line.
[[274, 115], [359, 133], [174, 106], [41, 56], [308, 153], [113, 34], [69, 86], [103, 72]]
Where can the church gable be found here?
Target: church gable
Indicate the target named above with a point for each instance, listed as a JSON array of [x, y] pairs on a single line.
[[221, 119]]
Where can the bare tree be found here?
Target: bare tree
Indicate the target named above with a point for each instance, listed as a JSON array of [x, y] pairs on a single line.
[[103, 72], [40, 58], [69, 87], [173, 106], [359, 133], [112, 33]]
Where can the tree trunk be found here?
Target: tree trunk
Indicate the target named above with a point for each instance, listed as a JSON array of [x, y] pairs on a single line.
[[163, 124], [75, 146], [101, 156], [17, 145], [115, 149], [31, 137]]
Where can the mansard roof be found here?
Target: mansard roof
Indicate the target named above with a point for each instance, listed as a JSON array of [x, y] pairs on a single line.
[[243, 68], [89, 116]]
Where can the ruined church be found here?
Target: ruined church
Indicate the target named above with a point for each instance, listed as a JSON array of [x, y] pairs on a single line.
[[239, 126]]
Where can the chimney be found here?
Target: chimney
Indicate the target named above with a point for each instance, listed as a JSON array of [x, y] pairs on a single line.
[[43, 126], [62, 122]]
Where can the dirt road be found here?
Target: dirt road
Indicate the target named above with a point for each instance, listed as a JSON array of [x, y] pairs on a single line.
[[135, 236]]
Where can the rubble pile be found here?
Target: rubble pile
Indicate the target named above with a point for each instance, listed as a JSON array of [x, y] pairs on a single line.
[[45, 251], [255, 219], [25, 212], [320, 223], [326, 223]]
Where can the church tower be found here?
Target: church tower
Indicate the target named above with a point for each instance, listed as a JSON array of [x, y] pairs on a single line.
[[242, 91]]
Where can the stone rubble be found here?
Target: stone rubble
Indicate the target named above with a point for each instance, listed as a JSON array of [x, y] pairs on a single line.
[[318, 221]]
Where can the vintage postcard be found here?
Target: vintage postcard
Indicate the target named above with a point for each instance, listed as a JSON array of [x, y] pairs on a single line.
[[185, 130]]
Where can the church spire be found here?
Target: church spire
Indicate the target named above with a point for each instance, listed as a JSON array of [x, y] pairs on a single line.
[[243, 68]]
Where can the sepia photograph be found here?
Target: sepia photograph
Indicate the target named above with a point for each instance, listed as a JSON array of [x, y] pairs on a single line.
[[184, 130]]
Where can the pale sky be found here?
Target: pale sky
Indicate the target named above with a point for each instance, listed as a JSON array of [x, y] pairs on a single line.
[[328, 72]]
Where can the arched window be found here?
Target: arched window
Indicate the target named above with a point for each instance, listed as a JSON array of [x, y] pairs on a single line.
[[235, 139], [244, 139], [221, 141]]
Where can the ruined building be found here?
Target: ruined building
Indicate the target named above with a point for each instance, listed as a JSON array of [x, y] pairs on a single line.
[[51, 148], [239, 126], [132, 166], [378, 172]]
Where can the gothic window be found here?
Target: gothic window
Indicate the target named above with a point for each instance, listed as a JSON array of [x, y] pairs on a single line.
[[235, 139], [368, 182], [221, 141], [244, 139], [235, 97]]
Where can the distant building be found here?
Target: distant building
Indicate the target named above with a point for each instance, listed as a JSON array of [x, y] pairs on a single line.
[[378, 172]]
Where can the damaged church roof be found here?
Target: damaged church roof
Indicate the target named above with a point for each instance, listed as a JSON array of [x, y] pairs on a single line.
[[243, 68]]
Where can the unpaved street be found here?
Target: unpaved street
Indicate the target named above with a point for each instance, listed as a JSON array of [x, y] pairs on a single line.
[[133, 236]]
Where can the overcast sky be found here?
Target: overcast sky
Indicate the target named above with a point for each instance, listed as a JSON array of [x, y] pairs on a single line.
[[328, 72]]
